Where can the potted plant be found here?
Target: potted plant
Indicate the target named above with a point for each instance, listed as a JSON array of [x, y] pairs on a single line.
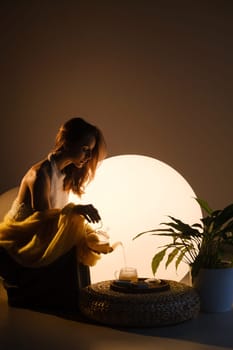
[[207, 246]]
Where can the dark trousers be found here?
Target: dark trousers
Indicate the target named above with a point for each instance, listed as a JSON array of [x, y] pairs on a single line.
[[55, 286]]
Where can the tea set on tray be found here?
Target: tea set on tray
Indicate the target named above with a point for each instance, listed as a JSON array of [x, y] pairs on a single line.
[[127, 281]]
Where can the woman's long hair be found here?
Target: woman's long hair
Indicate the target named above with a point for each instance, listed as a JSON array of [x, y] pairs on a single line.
[[69, 135]]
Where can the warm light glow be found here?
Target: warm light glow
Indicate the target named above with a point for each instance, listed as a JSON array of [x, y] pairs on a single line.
[[134, 193]]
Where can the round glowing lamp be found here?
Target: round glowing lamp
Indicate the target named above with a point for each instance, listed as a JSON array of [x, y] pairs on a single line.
[[135, 193]]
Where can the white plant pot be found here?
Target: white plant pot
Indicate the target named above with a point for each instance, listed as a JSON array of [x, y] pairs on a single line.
[[215, 288]]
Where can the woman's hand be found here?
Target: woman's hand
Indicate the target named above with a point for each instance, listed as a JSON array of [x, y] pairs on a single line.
[[89, 212]]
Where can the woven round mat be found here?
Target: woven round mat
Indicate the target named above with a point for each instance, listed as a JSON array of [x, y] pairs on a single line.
[[100, 303]]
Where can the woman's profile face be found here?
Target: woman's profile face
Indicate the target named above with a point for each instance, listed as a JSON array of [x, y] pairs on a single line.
[[82, 152]]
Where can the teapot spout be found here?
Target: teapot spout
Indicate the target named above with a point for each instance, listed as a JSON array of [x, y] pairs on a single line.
[[116, 244]]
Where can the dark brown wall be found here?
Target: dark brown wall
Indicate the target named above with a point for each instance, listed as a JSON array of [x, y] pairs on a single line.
[[156, 76]]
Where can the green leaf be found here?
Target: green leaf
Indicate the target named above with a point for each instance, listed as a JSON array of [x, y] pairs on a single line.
[[204, 205], [157, 260], [168, 231], [223, 217], [153, 230], [171, 256], [140, 234], [184, 228], [165, 234], [180, 257]]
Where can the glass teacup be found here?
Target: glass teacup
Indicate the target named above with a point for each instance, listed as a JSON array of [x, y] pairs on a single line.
[[127, 274]]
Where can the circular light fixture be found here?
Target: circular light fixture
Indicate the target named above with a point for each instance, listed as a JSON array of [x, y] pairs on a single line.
[[135, 193]]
